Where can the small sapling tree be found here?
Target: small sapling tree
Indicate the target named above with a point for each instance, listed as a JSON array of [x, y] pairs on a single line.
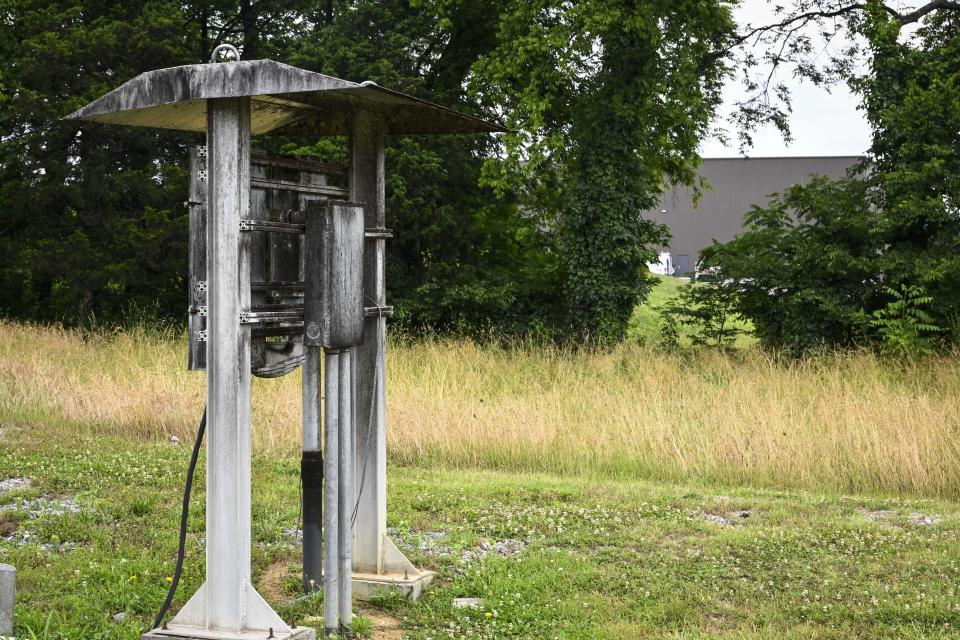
[[904, 326], [711, 309]]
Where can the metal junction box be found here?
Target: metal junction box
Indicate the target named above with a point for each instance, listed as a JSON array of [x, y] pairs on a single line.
[[333, 259]]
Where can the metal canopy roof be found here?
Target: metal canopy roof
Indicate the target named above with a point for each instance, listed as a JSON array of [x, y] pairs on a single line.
[[284, 100]]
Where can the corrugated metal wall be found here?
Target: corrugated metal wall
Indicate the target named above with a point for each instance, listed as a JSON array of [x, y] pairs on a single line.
[[735, 185]]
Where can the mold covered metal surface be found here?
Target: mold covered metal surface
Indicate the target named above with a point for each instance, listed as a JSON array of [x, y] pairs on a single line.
[[284, 100]]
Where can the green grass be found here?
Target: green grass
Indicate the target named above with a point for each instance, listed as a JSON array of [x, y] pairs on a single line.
[[645, 321], [644, 324], [602, 559]]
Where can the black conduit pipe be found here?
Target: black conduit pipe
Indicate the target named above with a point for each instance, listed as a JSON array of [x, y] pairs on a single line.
[[311, 477]]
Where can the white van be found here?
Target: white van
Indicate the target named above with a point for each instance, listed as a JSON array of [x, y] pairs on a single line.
[[664, 267]]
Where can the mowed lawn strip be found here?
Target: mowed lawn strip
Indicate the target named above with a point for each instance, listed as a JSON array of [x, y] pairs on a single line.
[[550, 557]]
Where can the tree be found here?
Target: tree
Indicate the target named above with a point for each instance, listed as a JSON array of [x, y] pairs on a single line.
[[821, 41], [822, 259], [93, 215], [904, 326], [711, 309], [95, 224], [608, 99], [462, 259], [805, 268]]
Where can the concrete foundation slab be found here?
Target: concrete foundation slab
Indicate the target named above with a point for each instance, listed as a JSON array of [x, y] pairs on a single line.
[[411, 586], [173, 632], [8, 592]]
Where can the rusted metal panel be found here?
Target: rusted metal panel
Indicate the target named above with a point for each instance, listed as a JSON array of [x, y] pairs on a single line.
[[284, 100], [272, 227]]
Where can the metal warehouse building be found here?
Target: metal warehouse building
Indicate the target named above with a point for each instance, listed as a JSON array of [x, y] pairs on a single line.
[[735, 185]]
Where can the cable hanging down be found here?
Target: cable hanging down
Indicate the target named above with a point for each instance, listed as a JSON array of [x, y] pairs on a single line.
[[184, 514]]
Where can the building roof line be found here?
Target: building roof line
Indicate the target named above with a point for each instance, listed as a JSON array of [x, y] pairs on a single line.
[[822, 157]]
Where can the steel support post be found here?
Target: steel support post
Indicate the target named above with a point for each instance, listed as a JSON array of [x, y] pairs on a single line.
[[331, 482], [345, 489], [227, 605], [376, 560], [367, 186]]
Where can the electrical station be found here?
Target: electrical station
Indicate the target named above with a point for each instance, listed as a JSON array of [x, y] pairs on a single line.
[[287, 259]]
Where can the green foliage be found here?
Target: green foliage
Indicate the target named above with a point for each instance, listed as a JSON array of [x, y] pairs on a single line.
[[668, 338], [805, 267], [95, 226], [93, 218], [361, 627], [608, 100], [820, 260], [904, 325], [711, 309], [462, 259]]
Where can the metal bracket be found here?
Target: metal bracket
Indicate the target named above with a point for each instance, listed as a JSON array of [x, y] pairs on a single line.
[[202, 175], [202, 151], [198, 310], [202, 335], [201, 287], [378, 232], [377, 311], [268, 225], [262, 317]]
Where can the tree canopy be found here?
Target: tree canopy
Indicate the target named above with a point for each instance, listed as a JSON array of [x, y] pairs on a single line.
[[824, 260], [538, 231]]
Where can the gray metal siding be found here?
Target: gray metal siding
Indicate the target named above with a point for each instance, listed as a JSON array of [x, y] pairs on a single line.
[[735, 185]]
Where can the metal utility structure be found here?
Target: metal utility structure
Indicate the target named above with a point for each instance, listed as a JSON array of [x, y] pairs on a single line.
[[286, 260]]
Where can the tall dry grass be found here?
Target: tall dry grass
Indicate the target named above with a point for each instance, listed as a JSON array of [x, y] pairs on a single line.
[[851, 422]]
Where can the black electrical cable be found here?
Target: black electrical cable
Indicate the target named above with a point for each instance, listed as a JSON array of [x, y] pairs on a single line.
[[184, 513]]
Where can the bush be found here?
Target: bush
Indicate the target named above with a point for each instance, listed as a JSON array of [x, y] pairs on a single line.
[[904, 326]]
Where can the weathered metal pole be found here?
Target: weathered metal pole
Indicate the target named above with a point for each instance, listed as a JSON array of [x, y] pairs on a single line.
[[367, 184], [228, 366], [227, 605], [345, 490], [331, 475], [311, 473]]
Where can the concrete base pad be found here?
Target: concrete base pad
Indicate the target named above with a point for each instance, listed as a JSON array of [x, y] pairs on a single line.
[[411, 586], [182, 633]]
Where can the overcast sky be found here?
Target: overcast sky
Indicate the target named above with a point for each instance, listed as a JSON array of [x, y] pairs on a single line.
[[823, 124]]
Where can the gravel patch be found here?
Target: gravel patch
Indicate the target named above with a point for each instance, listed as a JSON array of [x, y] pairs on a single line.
[[922, 520], [716, 519], [38, 507], [23, 538], [292, 535], [12, 484], [436, 544], [504, 548], [430, 543]]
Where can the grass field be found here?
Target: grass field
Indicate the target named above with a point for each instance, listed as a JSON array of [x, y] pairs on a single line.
[[581, 558], [844, 422], [620, 494]]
